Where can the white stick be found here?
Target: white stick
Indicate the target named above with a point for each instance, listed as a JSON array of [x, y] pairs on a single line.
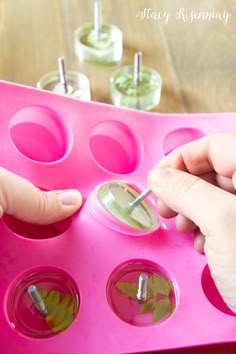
[[62, 73], [137, 66], [97, 19], [142, 287], [37, 300], [140, 198]]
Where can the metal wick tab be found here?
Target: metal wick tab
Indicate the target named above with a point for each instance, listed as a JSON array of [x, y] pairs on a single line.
[[138, 200], [97, 19], [62, 73], [142, 287], [37, 300], [137, 78], [137, 66]]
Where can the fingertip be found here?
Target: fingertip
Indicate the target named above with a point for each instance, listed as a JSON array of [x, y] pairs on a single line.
[[57, 205], [164, 210], [184, 225], [70, 198], [199, 241]]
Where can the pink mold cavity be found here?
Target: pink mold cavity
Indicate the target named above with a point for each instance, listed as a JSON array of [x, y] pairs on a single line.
[[115, 147], [59, 293], [212, 293], [35, 231], [162, 296], [180, 137], [38, 133]]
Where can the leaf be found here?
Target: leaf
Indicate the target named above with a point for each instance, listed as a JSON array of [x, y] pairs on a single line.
[[128, 289], [43, 293], [67, 320], [61, 309], [103, 63], [65, 316], [53, 298], [162, 308], [147, 307], [158, 285]]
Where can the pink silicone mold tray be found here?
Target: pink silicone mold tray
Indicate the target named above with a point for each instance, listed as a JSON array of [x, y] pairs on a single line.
[[87, 268]]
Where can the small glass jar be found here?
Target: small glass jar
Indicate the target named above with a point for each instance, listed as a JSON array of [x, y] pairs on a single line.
[[106, 51], [143, 96], [78, 85]]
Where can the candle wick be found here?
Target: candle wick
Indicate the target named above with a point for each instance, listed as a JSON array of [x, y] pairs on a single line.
[[138, 200], [37, 300], [97, 19], [142, 287], [62, 73], [137, 67]]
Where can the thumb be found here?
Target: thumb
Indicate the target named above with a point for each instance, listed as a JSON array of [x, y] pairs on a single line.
[[191, 196], [20, 198]]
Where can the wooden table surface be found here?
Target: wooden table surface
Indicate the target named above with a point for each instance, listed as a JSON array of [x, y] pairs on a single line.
[[195, 57]]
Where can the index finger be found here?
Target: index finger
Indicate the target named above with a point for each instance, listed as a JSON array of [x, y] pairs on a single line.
[[214, 152]]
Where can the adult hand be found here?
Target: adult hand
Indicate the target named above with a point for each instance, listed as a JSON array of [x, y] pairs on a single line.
[[197, 184], [23, 200]]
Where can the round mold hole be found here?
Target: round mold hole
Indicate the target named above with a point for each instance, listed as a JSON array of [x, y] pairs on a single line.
[[115, 147], [109, 202], [122, 290], [39, 134], [36, 231], [212, 294], [59, 294], [180, 137]]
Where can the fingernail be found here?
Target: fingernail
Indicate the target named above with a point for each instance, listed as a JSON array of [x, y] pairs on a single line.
[[70, 197]]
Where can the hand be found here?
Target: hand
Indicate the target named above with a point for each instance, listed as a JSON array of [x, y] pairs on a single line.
[[197, 184], [24, 201]]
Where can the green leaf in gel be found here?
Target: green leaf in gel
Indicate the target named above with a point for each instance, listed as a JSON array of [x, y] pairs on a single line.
[[100, 63], [88, 38], [115, 197], [125, 84], [159, 301]]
